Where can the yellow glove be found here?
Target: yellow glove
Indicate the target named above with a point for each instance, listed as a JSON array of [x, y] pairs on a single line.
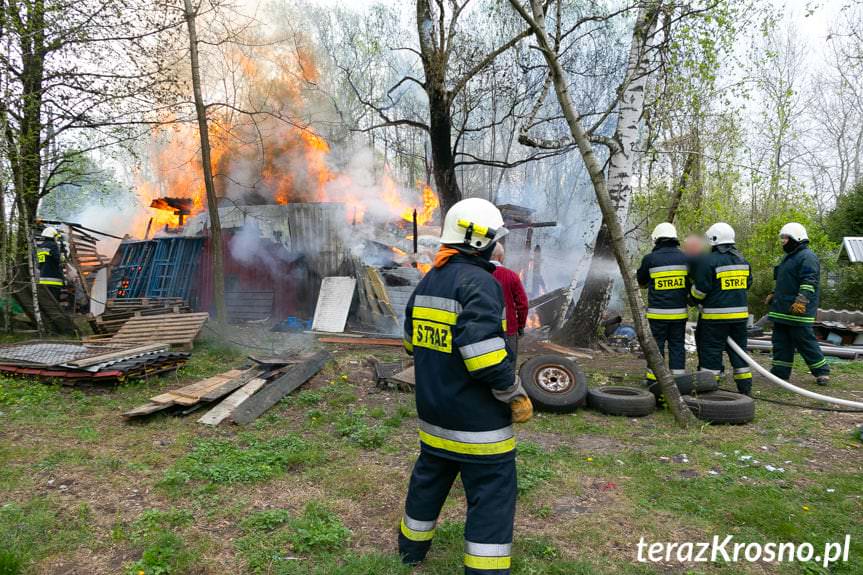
[[768, 299], [522, 409]]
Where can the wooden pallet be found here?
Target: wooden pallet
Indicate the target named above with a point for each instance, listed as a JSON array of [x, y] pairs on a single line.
[[177, 329]]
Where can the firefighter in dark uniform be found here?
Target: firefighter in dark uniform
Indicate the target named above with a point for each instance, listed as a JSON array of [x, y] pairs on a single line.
[[665, 274], [50, 260], [467, 394], [793, 305], [722, 281]]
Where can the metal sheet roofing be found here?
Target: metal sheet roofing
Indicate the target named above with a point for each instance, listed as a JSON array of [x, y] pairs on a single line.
[[852, 249]]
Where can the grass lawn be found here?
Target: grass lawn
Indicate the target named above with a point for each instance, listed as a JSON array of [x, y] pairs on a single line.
[[316, 485]]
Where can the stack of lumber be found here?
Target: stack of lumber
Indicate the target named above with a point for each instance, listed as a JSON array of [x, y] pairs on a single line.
[[242, 395], [118, 311], [177, 329]]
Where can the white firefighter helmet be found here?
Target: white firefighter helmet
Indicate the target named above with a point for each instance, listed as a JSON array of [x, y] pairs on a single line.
[[794, 231], [719, 233], [50, 232], [473, 222], [664, 230]]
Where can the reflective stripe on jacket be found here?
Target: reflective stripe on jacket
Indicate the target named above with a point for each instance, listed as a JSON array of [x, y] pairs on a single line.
[[721, 285], [665, 273], [454, 330], [797, 274]]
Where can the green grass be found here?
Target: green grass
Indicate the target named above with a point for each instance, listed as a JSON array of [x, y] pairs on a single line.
[[315, 486], [242, 460], [36, 529]]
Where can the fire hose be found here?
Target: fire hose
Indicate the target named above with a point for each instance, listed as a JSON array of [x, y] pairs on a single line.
[[792, 388]]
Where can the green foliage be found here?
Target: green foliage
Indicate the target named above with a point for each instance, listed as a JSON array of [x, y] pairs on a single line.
[[153, 520], [165, 554], [847, 291], [21, 392], [846, 219], [317, 529], [244, 460], [353, 426], [267, 520]]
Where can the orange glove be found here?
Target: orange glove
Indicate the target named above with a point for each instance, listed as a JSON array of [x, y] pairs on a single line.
[[522, 409], [799, 305]]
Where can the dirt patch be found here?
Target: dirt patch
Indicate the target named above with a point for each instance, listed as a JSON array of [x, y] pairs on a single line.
[[583, 442]]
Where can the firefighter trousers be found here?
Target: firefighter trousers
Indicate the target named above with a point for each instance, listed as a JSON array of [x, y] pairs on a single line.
[[712, 341], [672, 332], [490, 490], [787, 339]]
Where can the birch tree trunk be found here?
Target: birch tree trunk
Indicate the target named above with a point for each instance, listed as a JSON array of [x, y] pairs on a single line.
[[608, 204], [583, 326], [206, 163]]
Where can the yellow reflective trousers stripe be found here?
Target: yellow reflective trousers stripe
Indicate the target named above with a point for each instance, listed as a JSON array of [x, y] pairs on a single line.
[[416, 535], [731, 315], [488, 563], [495, 448]]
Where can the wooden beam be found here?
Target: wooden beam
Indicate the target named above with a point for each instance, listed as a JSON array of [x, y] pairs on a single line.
[[294, 377]]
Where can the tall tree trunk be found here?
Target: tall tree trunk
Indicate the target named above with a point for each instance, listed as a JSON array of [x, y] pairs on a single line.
[[607, 205], [582, 328], [440, 109], [212, 201]]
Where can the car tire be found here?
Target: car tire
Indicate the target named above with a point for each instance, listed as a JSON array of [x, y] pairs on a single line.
[[689, 383], [617, 400], [722, 407], [554, 383]]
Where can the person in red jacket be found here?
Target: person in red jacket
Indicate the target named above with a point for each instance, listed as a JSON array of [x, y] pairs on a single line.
[[514, 298]]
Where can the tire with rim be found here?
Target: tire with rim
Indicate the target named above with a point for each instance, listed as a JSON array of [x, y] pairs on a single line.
[[722, 407], [554, 383], [689, 383], [618, 400]]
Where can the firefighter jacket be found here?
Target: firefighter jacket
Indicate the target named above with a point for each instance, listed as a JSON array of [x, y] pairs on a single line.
[[797, 274], [664, 272], [50, 263], [721, 285], [454, 329]]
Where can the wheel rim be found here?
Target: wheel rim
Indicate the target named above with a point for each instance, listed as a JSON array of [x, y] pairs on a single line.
[[554, 379]]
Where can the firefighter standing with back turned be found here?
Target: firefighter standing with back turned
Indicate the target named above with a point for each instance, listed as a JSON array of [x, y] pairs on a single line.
[[722, 281], [50, 260], [665, 273], [793, 305], [467, 394]]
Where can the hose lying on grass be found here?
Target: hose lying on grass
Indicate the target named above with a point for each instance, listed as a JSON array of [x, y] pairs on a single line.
[[792, 388]]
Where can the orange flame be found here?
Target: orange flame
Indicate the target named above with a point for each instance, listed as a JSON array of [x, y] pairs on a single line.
[[266, 159]]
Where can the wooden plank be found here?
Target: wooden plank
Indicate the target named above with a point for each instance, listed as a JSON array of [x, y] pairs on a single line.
[[108, 356], [222, 411], [146, 409], [361, 340], [229, 386], [294, 377], [565, 350]]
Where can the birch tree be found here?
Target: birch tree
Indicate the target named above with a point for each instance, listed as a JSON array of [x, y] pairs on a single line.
[[644, 24]]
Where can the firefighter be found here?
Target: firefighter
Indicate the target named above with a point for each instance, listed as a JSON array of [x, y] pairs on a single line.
[[721, 285], [50, 260], [793, 304], [467, 394], [664, 272]]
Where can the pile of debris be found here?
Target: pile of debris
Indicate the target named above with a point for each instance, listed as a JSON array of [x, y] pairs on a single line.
[[71, 363], [238, 395]]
